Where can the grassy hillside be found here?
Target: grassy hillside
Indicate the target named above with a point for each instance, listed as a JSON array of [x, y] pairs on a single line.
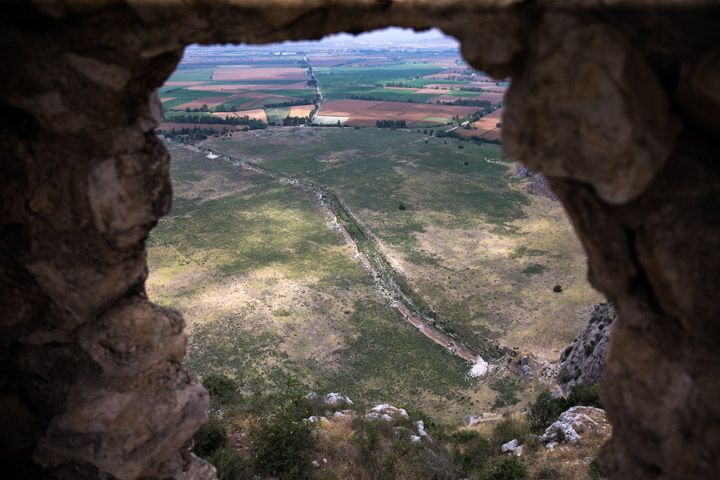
[[270, 292], [476, 248]]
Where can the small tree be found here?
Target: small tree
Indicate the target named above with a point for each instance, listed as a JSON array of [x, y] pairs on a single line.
[[508, 468], [283, 442]]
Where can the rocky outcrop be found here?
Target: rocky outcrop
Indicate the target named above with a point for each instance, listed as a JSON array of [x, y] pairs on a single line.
[[574, 424], [538, 185], [616, 106], [583, 361]]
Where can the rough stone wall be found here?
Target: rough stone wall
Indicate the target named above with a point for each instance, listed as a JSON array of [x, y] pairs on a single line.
[[615, 102]]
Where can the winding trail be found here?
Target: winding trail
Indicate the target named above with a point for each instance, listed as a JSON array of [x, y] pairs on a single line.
[[387, 281]]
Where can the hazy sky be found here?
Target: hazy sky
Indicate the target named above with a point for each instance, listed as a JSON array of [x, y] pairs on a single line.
[[392, 34]]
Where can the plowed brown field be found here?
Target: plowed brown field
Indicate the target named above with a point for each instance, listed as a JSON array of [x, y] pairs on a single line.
[[251, 72]]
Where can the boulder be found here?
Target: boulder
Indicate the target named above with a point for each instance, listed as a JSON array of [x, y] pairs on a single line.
[[387, 412], [573, 424]]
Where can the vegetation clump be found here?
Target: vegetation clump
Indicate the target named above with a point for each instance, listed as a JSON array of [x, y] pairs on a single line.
[[222, 390], [282, 443], [546, 409], [209, 438]]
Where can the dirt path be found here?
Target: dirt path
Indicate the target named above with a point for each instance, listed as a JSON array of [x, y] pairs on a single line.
[[387, 280]]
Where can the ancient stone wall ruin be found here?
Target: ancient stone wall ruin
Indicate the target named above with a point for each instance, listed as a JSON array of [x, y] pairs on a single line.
[[616, 102]]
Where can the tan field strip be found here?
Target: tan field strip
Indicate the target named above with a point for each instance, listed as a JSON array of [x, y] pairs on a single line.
[[367, 112], [251, 72], [239, 88], [257, 114], [301, 110]]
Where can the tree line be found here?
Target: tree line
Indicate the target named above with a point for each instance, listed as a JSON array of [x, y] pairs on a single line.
[[390, 124]]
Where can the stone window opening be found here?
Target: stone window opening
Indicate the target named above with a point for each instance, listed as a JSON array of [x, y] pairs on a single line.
[[617, 107]]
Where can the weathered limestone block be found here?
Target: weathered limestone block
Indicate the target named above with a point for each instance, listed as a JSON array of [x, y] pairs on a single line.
[[589, 108], [134, 337], [126, 428]]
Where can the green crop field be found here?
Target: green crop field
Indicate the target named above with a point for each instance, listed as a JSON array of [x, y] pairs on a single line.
[[191, 75]]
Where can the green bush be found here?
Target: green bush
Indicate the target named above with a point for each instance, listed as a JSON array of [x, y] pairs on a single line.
[[372, 455], [282, 443], [557, 288], [545, 410], [548, 473], [595, 470], [507, 468], [587, 395], [222, 390], [534, 269], [230, 465], [471, 451], [209, 438], [506, 389], [508, 429]]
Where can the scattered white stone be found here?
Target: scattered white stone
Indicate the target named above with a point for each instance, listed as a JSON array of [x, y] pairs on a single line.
[[312, 419], [483, 417], [388, 410], [421, 429], [415, 439], [342, 413], [480, 368], [379, 416], [513, 446], [311, 396], [316, 464], [336, 399], [212, 156]]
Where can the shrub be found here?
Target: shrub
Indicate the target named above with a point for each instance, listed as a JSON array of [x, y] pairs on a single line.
[[548, 473], [471, 452], [508, 429], [557, 288], [595, 470], [534, 269], [506, 389], [282, 443], [230, 465], [508, 468], [209, 438], [587, 395], [372, 456], [222, 389], [402, 207], [545, 410]]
